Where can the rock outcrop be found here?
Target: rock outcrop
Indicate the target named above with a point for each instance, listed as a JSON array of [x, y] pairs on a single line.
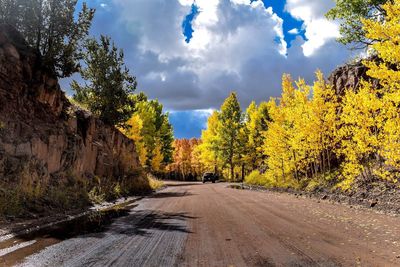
[[43, 137], [349, 77]]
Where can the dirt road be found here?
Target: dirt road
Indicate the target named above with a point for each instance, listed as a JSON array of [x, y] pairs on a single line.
[[191, 224]]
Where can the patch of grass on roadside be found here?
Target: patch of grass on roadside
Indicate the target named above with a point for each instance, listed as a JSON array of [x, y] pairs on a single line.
[[11, 201], [327, 180], [255, 178], [154, 182], [265, 180], [139, 184], [69, 192]]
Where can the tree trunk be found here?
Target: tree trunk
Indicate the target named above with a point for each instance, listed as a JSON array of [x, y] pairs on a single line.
[[295, 167], [242, 172], [232, 172]]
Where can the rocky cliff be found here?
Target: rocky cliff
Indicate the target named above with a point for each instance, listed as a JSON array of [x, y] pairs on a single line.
[[44, 139], [349, 77]]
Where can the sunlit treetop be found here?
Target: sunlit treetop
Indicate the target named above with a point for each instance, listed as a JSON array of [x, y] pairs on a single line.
[[351, 13]]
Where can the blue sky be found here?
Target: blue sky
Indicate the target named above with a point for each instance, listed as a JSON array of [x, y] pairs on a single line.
[[191, 54]]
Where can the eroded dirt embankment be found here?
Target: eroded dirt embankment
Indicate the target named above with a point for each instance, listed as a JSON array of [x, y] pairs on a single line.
[[382, 196]]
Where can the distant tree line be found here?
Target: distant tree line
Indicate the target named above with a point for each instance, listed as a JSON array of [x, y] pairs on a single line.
[[186, 163]]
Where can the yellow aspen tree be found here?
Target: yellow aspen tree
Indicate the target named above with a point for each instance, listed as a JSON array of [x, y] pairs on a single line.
[[297, 115], [229, 132], [359, 133], [370, 130], [277, 139], [386, 33], [196, 165], [249, 153], [134, 132], [322, 124], [208, 151], [157, 159], [255, 124], [300, 139]]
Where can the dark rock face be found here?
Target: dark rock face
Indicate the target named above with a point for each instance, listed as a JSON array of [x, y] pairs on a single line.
[[349, 77], [43, 136]]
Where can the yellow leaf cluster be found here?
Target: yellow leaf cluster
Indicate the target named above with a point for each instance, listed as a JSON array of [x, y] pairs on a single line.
[[300, 139]]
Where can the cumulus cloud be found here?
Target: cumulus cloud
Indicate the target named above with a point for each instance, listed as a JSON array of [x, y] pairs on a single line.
[[237, 45], [318, 30]]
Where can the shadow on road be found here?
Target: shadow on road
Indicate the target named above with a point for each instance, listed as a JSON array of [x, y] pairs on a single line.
[[181, 184], [170, 194], [145, 222]]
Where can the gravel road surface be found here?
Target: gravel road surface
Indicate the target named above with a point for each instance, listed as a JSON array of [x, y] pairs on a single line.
[[194, 224]]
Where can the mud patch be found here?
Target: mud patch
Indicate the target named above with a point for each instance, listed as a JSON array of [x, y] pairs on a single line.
[[16, 249]]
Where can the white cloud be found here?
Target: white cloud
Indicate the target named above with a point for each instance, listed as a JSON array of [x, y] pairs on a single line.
[[200, 112], [203, 114], [241, 2], [294, 31], [236, 45], [318, 30]]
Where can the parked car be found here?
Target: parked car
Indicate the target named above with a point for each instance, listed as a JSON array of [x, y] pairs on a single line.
[[209, 177]]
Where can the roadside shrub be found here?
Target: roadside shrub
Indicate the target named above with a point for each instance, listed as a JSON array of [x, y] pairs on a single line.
[[326, 180], [268, 180], [66, 197], [154, 182], [255, 178], [11, 201], [96, 195]]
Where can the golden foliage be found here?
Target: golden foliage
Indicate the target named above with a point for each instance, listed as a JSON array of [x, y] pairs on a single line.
[[307, 137], [186, 163]]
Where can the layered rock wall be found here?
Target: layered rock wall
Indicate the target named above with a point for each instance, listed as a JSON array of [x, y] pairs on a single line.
[[349, 77], [43, 136]]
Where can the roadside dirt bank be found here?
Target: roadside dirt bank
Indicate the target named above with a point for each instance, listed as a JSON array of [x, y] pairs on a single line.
[[382, 197]]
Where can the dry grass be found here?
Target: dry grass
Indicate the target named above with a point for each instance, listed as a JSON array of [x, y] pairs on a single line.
[[71, 192], [154, 182]]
